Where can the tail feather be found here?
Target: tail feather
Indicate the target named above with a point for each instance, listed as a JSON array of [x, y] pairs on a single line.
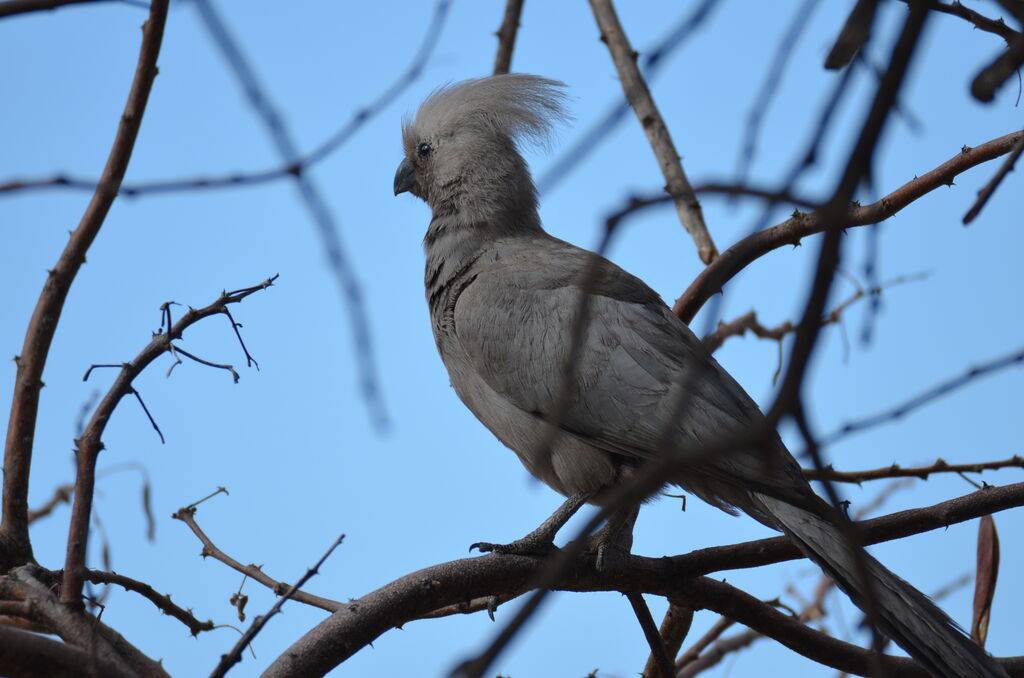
[[904, 614]]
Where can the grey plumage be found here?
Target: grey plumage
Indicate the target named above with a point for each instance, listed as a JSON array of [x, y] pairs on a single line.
[[503, 298]]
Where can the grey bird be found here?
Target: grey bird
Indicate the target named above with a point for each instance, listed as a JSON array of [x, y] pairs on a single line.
[[504, 297]]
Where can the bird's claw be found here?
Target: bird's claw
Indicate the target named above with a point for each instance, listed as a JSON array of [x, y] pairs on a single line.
[[519, 547]]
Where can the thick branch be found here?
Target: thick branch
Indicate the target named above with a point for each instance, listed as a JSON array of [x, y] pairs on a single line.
[[639, 96], [29, 655], [419, 593], [15, 547], [76, 627], [800, 225]]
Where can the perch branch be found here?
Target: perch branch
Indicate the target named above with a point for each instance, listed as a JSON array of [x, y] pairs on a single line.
[[419, 593]]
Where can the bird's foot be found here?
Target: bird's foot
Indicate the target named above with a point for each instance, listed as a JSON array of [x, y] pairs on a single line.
[[529, 545], [605, 553]]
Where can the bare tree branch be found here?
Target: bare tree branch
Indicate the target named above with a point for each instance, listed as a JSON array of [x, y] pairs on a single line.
[[507, 36], [659, 653], [922, 472], [235, 655], [980, 21], [419, 593], [800, 225], [639, 96], [187, 516], [77, 627], [161, 601], [674, 628], [12, 7], [14, 541], [251, 178], [992, 77], [922, 399], [853, 36], [29, 655], [988, 189], [89, 444]]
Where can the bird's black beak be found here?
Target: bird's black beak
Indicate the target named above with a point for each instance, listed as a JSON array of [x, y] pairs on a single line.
[[405, 177]]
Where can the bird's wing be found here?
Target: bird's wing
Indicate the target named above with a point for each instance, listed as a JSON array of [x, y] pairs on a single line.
[[514, 324]]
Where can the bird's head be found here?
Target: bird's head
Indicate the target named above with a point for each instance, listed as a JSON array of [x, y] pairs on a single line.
[[461, 149]]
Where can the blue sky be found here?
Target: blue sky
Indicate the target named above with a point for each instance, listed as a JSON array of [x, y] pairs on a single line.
[[293, 442]]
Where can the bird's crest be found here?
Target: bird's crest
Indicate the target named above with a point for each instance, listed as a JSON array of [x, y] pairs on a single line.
[[521, 107]]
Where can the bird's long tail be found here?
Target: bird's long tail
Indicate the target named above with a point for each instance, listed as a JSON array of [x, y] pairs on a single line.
[[903, 613]]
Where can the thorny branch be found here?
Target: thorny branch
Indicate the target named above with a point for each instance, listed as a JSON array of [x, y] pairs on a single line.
[[922, 472], [639, 97], [161, 601], [800, 225], [235, 655], [254, 572], [15, 547], [749, 321], [89, 444], [419, 593]]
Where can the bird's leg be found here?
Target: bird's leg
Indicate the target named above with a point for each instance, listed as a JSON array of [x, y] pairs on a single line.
[[615, 536], [541, 540]]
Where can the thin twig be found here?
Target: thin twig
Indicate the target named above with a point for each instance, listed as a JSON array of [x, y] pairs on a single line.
[[702, 643], [235, 655], [62, 495], [749, 321], [228, 368], [916, 402], [193, 184], [507, 36], [89, 444], [187, 516], [658, 652], [14, 541], [800, 225], [770, 86], [315, 204], [988, 189], [149, 416], [653, 60], [639, 97], [161, 601], [922, 472], [674, 628], [980, 21]]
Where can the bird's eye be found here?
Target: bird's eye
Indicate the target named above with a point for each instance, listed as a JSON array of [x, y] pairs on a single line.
[[423, 150]]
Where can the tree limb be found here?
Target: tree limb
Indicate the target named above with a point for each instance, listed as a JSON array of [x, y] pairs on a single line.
[[15, 547]]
